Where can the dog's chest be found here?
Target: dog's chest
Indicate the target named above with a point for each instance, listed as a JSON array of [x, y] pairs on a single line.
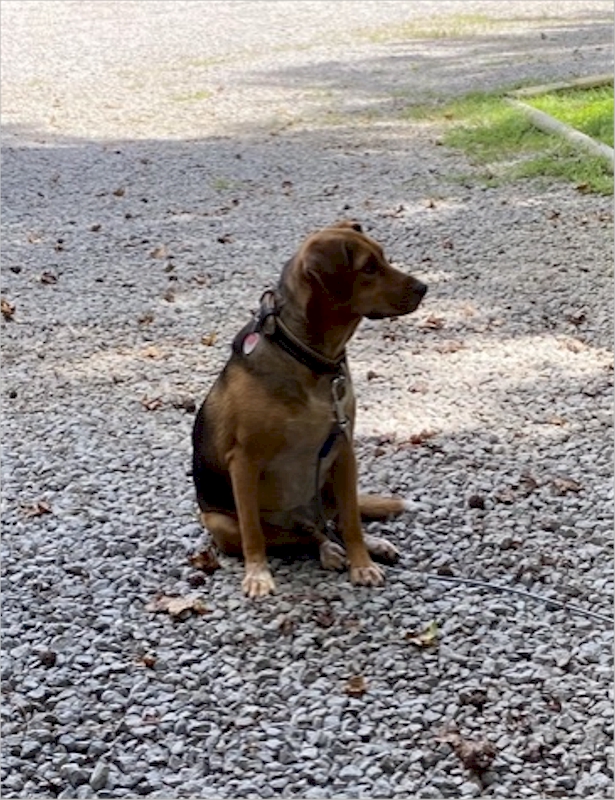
[[290, 478]]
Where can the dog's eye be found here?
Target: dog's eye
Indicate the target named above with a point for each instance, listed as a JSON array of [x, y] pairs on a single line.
[[371, 268]]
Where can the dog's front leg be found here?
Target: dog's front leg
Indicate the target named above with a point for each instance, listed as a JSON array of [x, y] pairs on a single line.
[[344, 483], [245, 473]]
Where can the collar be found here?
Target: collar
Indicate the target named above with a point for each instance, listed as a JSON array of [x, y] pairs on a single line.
[[291, 344]]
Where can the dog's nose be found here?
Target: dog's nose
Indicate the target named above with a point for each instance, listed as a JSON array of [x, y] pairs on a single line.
[[420, 288]]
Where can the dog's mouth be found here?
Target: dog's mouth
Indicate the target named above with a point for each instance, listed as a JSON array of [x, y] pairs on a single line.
[[409, 303]]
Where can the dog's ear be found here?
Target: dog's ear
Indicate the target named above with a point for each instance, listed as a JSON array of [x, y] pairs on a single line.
[[349, 223], [327, 261]]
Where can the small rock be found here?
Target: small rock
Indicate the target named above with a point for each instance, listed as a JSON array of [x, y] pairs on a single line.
[[99, 776]]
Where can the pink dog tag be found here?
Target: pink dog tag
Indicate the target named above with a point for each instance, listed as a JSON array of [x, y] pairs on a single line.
[[250, 342]]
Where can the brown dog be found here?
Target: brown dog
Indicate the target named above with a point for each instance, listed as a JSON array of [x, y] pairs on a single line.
[[273, 459]]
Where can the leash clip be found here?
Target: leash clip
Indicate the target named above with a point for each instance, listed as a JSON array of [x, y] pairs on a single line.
[[338, 393]]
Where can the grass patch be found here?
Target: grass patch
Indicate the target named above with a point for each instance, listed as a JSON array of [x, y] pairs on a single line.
[[194, 97], [587, 110], [452, 26], [498, 137]]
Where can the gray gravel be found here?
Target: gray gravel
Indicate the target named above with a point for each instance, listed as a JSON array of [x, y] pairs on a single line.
[[161, 161]]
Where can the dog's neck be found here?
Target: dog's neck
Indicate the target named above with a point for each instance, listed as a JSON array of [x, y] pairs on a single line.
[[328, 336]]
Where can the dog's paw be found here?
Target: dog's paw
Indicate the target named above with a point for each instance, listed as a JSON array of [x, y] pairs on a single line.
[[381, 549], [258, 581], [332, 555], [371, 575]]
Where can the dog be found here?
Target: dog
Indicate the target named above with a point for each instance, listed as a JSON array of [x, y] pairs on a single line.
[[273, 456]]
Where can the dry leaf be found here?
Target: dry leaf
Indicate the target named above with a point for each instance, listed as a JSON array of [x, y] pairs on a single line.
[[160, 252], [324, 618], [151, 403], [185, 403], [176, 605], [423, 436], [8, 309], [36, 509], [120, 192], [427, 638], [150, 352], [209, 339], [205, 560], [505, 495], [286, 626], [564, 485], [48, 277], [475, 755], [147, 660], [95, 227], [574, 345], [433, 323], [356, 686], [146, 319], [449, 346]]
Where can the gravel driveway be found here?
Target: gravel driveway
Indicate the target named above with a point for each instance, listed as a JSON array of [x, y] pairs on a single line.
[[161, 161]]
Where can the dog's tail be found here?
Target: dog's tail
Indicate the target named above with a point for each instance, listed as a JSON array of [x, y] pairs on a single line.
[[374, 506]]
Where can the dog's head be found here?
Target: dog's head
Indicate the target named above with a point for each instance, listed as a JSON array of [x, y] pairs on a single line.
[[347, 269]]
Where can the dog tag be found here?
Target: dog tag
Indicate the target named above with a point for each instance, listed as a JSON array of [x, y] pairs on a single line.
[[250, 342]]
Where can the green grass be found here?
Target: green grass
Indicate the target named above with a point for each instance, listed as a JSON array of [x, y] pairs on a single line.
[[500, 139], [587, 110], [448, 26], [195, 97]]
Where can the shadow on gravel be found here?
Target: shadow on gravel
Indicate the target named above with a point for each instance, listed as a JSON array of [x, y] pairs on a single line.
[[412, 71]]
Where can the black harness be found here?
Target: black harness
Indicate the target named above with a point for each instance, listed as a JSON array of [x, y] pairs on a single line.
[[267, 322]]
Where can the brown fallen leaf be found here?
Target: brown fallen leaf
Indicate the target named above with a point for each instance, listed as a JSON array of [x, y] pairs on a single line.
[[95, 227], [574, 345], [505, 495], [48, 277], [427, 638], [188, 404], [475, 754], [209, 339], [36, 509], [146, 319], [176, 605], [449, 347], [150, 352], [119, 192], [159, 252], [205, 560], [7, 309], [356, 686], [433, 323], [287, 626], [151, 403], [147, 660], [565, 485], [324, 618], [423, 436]]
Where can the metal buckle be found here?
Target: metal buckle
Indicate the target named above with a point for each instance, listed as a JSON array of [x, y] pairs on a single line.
[[338, 393]]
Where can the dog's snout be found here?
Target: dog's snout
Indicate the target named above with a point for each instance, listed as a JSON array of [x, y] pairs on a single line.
[[420, 288]]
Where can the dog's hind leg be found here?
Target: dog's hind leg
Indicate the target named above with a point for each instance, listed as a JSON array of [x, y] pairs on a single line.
[[224, 530]]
